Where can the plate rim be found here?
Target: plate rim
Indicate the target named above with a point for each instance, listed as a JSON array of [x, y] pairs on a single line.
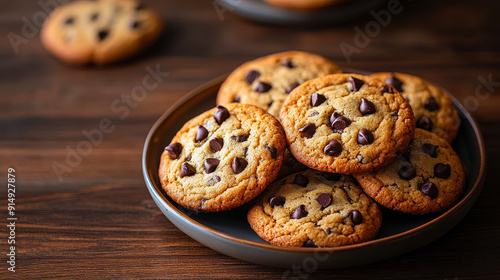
[[154, 191], [265, 13]]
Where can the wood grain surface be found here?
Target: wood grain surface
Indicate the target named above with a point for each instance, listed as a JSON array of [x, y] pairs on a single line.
[[95, 219]]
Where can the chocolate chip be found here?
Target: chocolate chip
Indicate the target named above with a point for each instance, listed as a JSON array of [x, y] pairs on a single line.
[[333, 148], [188, 158], [331, 176], [236, 99], [328, 231], [429, 189], [94, 17], [365, 137], [245, 151], [211, 164], [221, 114], [287, 62], [174, 150], [291, 87], [238, 164], [299, 212], [395, 82], [339, 122], [386, 89], [102, 34], [406, 155], [69, 21], [407, 172], [366, 107], [308, 130], [309, 243], [202, 203], [201, 133], [315, 113], [424, 123], [187, 170], [240, 138], [213, 180], [251, 75], [431, 104], [395, 113], [262, 87], [276, 201], [135, 24], [272, 150], [355, 217], [430, 149], [317, 99], [216, 144], [442, 170], [301, 180], [355, 84], [324, 199]]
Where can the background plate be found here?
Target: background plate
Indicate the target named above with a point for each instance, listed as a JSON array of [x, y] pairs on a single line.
[[229, 232], [260, 11]]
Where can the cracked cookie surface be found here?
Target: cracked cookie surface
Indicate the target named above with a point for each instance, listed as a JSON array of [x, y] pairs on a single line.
[[433, 109], [346, 123], [428, 177], [265, 82], [222, 158], [315, 209], [101, 31]]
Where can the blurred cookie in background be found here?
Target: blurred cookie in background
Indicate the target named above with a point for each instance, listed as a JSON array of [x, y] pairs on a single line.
[[100, 32]]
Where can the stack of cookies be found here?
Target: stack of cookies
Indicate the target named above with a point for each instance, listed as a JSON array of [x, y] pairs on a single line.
[[344, 144]]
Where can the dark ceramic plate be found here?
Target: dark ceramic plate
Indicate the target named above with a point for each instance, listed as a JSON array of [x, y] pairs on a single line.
[[229, 233], [260, 11]]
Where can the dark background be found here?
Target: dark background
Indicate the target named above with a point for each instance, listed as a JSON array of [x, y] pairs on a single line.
[[99, 220]]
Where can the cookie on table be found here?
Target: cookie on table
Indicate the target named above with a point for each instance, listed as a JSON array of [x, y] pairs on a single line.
[[303, 4], [265, 82], [222, 158], [100, 32], [346, 123], [429, 177], [315, 209], [433, 109]]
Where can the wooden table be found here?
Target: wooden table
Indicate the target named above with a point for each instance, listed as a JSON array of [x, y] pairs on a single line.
[[96, 220]]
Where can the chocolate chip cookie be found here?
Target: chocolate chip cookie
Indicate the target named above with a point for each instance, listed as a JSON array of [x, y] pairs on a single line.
[[433, 109], [315, 209], [222, 158], [428, 177], [346, 123], [266, 82], [100, 32]]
